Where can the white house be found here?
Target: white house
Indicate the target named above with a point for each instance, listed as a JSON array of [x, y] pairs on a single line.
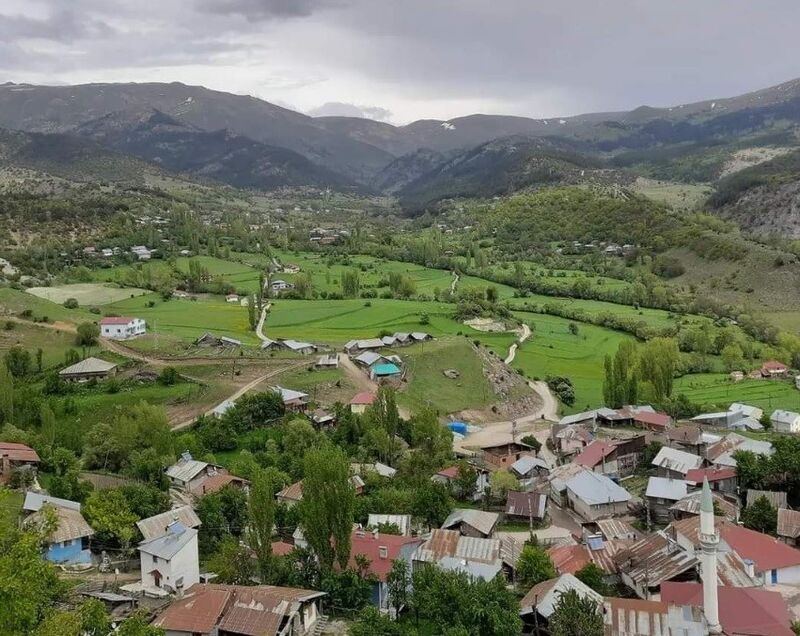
[[170, 562], [281, 285], [122, 327], [785, 421]]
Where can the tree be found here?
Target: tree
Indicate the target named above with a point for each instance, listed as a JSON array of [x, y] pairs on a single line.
[[107, 511], [370, 622], [658, 360], [254, 410], [534, 566], [351, 283], [87, 334], [232, 563], [500, 482], [29, 586], [252, 318], [18, 361], [168, 376], [137, 625], [593, 576], [531, 441], [732, 357], [89, 619], [327, 507], [398, 582], [6, 395], [431, 503], [761, 516], [261, 515], [465, 482], [575, 615]]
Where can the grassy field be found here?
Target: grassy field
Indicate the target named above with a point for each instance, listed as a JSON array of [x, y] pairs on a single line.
[[325, 386], [553, 350], [97, 405], [717, 390], [428, 386], [86, 293], [679, 196], [189, 319], [54, 344], [13, 301]]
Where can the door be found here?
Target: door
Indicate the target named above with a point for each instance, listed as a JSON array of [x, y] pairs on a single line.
[[774, 577]]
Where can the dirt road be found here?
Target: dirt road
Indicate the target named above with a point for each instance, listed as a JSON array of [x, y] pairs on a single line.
[[454, 282], [512, 350], [260, 325], [363, 381]]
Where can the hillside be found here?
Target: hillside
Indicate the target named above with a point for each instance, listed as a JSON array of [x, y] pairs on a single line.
[[220, 155]]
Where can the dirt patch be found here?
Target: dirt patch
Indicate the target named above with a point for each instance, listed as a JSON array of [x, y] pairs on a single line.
[[748, 157], [486, 324]]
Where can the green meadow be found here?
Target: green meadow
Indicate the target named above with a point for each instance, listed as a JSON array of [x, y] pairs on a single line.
[[553, 350], [717, 390], [54, 344]]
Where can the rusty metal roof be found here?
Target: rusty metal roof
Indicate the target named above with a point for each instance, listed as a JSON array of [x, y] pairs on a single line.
[[788, 523], [616, 529], [653, 560], [449, 543], [637, 617], [690, 504]]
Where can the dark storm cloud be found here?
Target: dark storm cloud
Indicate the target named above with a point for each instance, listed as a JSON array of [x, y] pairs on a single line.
[[263, 9], [416, 58]]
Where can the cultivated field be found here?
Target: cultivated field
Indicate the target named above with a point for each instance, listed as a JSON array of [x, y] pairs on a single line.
[[54, 344], [717, 390], [86, 293]]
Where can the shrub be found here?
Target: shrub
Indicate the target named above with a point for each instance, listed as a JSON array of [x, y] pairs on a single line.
[[71, 303]]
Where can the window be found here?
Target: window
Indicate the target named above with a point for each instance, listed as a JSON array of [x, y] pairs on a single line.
[[155, 559]]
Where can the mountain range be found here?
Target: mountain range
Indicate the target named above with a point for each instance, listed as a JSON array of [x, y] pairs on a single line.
[[248, 142]]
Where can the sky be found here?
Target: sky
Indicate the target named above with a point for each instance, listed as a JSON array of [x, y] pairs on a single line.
[[402, 60]]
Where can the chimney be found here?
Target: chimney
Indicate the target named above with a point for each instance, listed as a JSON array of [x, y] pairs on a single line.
[[6, 470], [750, 567], [383, 552]]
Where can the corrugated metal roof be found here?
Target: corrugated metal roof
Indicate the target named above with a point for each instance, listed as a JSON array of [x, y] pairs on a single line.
[[596, 489], [483, 521], [186, 469], [776, 499], [34, 502], [89, 365], [690, 504], [71, 524], [526, 504], [664, 488], [638, 617], [289, 395], [403, 522], [616, 529], [653, 560], [676, 460], [543, 597], [527, 463], [449, 543], [156, 526], [788, 523], [368, 358], [169, 544]]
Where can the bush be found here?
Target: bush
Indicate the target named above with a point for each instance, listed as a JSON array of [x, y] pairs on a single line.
[[71, 303], [168, 376]]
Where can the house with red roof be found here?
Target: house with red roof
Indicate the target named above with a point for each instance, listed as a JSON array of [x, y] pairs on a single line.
[[600, 456], [742, 610], [449, 475], [774, 369], [361, 401], [721, 479], [14, 456], [122, 327], [381, 550], [773, 562], [652, 420]]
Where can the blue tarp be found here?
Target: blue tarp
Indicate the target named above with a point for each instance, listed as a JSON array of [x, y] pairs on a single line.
[[386, 369], [458, 427]]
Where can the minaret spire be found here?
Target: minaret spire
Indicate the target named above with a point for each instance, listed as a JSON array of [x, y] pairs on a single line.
[[709, 540]]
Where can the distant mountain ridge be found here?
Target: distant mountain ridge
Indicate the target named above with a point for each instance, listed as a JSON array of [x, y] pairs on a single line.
[[249, 142]]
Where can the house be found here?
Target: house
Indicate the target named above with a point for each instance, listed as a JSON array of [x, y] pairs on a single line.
[[328, 361], [558, 478], [222, 408], [689, 506], [378, 468], [232, 298], [88, 369], [381, 550], [741, 610], [472, 523], [525, 506], [207, 609], [529, 468], [675, 463], [651, 420], [774, 369], [188, 473], [480, 558], [295, 401], [156, 526], [279, 285], [721, 453], [688, 438], [363, 345], [368, 358], [776, 499], [789, 525], [419, 336], [68, 542], [34, 502], [15, 457], [594, 496], [747, 410], [652, 561], [640, 617], [383, 371], [402, 522], [293, 493], [303, 348], [571, 440], [122, 327], [141, 252], [323, 418], [600, 456], [450, 474], [538, 605], [785, 421], [361, 401], [662, 493], [171, 561], [770, 561], [722, 479], [502, 454]]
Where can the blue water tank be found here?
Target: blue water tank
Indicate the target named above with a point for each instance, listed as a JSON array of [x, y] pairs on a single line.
[[458, 427]]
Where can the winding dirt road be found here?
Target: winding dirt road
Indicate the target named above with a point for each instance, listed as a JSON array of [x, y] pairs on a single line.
[[512, 350]]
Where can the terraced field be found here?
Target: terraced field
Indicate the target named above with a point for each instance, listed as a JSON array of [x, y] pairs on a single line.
[[718, 391]]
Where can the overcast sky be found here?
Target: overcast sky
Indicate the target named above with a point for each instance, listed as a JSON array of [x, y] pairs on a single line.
[[401, 60]]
